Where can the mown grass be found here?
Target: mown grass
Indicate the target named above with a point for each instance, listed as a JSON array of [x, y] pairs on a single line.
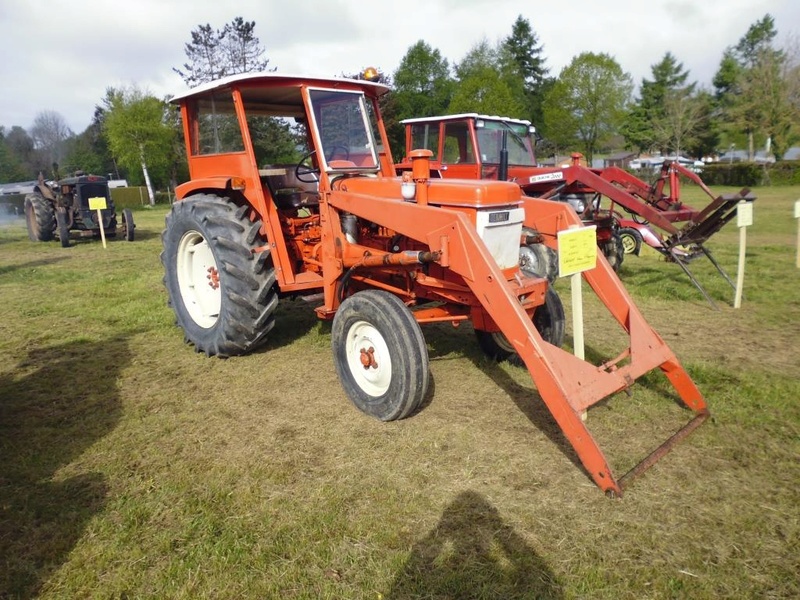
[[131, 466]]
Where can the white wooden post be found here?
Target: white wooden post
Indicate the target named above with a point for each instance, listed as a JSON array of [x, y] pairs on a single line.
[[744, 218]]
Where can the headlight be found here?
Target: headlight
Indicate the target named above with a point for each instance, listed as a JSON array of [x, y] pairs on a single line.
[[577, 202]]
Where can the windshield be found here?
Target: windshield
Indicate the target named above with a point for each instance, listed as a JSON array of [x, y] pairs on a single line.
[[490, 140], [344, 130]]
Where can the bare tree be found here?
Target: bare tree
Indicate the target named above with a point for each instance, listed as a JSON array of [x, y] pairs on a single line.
[[49, 133], [682, 113]]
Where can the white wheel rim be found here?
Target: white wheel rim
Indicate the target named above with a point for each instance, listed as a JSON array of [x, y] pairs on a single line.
[[198, 279], [363, 338], [628, 243]]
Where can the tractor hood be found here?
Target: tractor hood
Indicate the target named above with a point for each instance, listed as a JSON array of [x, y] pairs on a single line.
[[463, 193]]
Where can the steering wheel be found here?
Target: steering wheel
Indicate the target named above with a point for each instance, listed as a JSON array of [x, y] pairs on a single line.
[[305, 168], [335, 150]]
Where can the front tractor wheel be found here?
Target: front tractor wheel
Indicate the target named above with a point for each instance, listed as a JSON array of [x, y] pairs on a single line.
[[631, 240], [613, 251], [549, 320], [223, 294], [380, 355], [40, 218], [63, 226], [128, 226]]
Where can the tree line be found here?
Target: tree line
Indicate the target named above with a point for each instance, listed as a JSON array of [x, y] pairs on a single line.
[[590, 106]]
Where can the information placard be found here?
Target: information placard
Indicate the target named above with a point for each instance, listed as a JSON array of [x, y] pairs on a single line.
[[577, 250], [797, 209], [97, 203], [744, 214]]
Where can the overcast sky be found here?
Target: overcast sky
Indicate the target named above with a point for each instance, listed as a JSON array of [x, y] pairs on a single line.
[[61, 55]]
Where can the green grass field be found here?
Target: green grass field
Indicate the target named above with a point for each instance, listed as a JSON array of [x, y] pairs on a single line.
[[132, 467]]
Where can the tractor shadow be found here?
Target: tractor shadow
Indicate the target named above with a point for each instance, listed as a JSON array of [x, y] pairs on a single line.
[[294, 319], [55, 404], [526, 399], [470, 553], [31, 265]]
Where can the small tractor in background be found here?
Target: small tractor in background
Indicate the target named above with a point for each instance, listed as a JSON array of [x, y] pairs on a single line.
[[54, 209], [383, 255], [626, 210]]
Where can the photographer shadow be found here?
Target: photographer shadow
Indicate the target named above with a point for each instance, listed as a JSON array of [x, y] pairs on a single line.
[[473, 553], [55, 404]]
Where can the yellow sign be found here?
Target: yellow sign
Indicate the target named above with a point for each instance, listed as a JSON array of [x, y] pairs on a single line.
[[97, 203], [577, 250]]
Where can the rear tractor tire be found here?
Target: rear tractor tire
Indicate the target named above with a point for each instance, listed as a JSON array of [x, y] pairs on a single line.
[[380, 355], [40, 218], [223, 294], [539, 259]]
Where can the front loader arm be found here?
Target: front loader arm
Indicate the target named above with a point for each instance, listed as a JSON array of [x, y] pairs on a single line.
[[567, 384]]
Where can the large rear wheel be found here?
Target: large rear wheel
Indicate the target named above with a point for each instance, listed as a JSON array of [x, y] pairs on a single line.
[[223, 293], [380, 355], [539, 259], [40, 218]]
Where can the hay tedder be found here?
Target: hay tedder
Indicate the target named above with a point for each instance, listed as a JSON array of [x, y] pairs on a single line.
[[656, 216], [385, 255], [473, 146]]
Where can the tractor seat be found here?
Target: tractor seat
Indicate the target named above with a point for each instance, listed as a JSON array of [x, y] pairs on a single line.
[[287, 191]]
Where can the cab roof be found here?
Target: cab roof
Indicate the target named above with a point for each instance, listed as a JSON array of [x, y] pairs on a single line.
[[462, 116], [271, 80]]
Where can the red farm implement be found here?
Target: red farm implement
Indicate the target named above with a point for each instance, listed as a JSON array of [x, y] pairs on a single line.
[[473, 146], [656, 214]]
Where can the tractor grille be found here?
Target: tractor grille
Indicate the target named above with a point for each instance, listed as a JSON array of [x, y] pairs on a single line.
[[501, 230], [92, 190]]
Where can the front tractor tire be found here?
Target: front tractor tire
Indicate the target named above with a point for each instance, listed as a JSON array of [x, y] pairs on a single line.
[[549, 321], [380, 355], [63, 226], [128, 226], [40, 218], [614, 251], [631, 240], [223, 294]]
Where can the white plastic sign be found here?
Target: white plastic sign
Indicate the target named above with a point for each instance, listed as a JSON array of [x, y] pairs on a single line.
[[744, 214]]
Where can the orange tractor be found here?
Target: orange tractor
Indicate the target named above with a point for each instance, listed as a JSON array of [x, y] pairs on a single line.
[[386, 254], [473, 146]]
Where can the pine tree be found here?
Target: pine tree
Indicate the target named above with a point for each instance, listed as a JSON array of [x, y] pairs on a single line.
[[527, 55], [216, 53]]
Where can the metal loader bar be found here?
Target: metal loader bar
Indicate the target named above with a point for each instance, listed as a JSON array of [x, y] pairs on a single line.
[[663, 449], [569, 385]]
